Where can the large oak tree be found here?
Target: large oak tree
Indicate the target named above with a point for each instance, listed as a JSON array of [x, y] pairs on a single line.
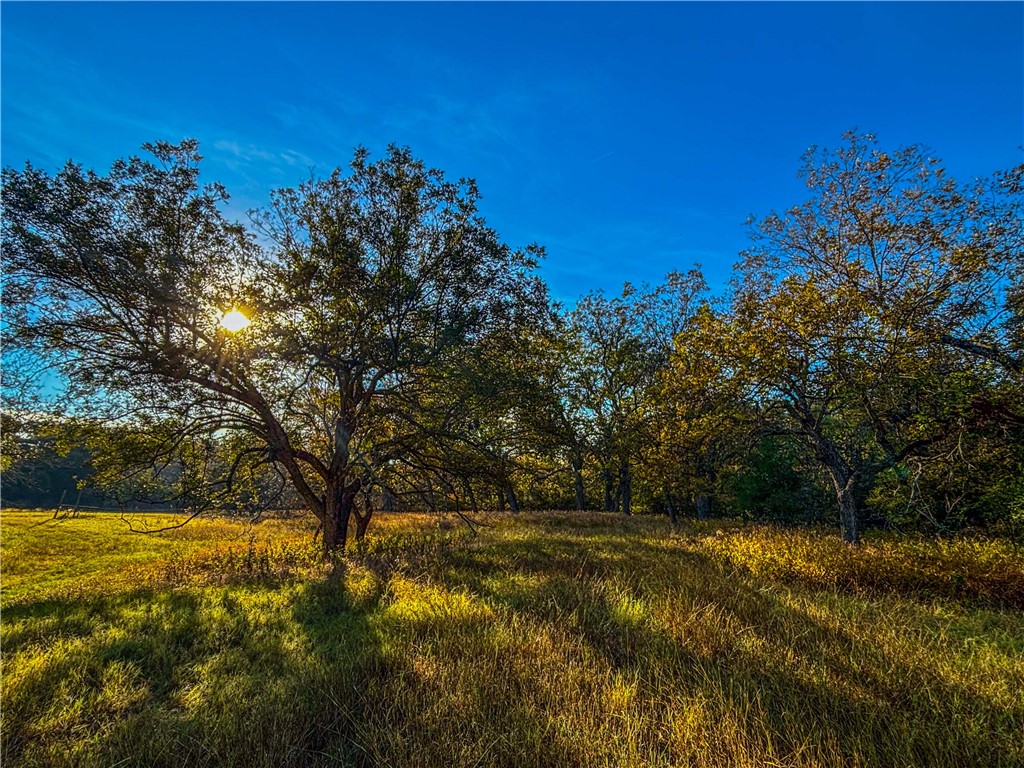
[[371, 294]]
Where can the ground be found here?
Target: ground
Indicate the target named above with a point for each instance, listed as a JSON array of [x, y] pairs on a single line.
[[548, 640]]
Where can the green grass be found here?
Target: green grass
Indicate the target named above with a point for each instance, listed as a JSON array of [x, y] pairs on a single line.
[[548, 640]]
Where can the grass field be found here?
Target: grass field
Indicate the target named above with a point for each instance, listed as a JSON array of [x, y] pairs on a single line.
[[548, 640]]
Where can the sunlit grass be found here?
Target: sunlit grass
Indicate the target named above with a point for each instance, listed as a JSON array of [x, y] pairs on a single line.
[[547, 640], [980, 569], [97, 553]]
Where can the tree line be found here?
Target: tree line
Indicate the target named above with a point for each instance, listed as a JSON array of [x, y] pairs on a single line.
[[863, 368]]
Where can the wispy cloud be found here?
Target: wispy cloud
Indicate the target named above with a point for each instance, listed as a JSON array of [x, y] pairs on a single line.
[[249, 154]]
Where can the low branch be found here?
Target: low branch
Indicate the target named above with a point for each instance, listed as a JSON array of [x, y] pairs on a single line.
[[147, 531], [472, 523]]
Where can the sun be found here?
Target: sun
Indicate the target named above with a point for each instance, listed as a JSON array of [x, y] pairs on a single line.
[[234, 321]]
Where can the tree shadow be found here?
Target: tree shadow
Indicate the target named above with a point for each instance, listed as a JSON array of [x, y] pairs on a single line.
[[315, 673], [215, 676], [437, 668], [806, 686]]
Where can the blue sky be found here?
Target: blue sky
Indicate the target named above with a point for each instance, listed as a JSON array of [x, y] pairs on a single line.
[[629, 139]]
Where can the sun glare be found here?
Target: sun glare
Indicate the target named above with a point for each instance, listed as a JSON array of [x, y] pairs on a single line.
[[234, 321]]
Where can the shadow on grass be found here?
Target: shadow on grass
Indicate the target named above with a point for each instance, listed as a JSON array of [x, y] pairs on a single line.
[[217, 676], [446, 666], [804, 686], [315, 673]]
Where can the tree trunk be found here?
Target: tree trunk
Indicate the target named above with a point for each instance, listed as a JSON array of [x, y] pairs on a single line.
[[847, 507], [609, 502], [626, 489], [703, 506], [843, 476], [472, 496], [843, 480], [670, 507], [577, 474], [337, 511], [501, 499], [513, 502], [362, 523], [387, 502]]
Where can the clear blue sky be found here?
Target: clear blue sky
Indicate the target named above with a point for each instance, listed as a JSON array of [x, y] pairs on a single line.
[[629, 139]]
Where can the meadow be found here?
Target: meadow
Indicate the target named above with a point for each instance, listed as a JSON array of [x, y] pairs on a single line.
[[550, 639]]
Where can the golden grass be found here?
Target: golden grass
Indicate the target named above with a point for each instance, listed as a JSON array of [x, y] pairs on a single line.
[[548, 640], [978, 569]]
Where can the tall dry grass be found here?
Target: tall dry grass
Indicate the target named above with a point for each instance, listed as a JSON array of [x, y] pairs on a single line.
[[548, 640]]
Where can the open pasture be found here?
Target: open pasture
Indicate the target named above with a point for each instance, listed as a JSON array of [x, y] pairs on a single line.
[[549, 639]]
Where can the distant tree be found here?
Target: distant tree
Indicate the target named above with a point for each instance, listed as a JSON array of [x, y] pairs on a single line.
[[21, 416], [36, 471], [704, 421], [616, 350], [570, 418], [372, 291], [853, 307]]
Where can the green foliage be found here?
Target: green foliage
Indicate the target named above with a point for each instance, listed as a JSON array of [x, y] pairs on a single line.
[[374, 294], [972, 480], [775, 482]]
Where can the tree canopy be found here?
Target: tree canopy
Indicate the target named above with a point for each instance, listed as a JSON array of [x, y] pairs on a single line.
[[373, 295], [399, 354]]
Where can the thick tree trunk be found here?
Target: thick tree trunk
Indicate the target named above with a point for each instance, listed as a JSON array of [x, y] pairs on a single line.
[[703, 506], [847, 508], [501, 499], [843, 480], [362, 523], [843, 475], [340, 496], [626, 489], [577, 474], [337, 511]]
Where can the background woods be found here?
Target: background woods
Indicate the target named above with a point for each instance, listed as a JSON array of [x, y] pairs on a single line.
[[864, 368]]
